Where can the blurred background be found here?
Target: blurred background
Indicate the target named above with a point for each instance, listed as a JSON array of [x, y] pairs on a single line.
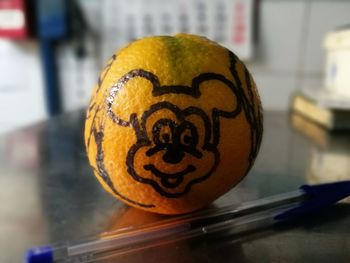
[[51, 51]]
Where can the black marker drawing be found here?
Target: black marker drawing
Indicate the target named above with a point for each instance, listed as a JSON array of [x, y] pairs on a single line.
[[97, 133], [176, 138], [100, 80], [92, 103], [101, 170], [252, 112]]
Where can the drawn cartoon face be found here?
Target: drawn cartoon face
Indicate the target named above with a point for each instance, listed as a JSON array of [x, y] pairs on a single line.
[[175, 150], [173, 143]]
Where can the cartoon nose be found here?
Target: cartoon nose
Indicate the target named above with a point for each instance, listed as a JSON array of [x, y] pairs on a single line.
[[173, 155]]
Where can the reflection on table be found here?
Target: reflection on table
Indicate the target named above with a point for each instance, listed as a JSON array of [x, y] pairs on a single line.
[[50, 195]]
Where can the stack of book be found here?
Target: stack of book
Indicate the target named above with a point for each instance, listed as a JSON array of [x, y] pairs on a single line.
[[328, 107], [320, 135], [324, 107]]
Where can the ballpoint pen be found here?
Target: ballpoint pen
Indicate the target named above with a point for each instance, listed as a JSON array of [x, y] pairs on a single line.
[[251, 215]]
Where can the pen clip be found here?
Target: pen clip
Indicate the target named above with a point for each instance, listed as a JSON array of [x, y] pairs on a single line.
[[317, 197]]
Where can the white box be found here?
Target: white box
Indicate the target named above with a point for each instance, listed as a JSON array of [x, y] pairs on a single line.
[[337, 44]]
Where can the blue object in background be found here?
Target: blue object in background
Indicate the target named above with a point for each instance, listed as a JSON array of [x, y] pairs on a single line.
[[52, 19], [52, 25]]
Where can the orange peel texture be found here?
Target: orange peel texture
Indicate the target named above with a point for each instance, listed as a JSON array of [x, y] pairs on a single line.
[[174, 123]]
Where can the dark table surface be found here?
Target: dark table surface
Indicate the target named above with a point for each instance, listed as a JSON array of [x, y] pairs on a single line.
[[49, 195]]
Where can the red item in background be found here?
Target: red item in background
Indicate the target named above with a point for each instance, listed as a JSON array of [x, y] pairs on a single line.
[[12, 19], [239, 29]]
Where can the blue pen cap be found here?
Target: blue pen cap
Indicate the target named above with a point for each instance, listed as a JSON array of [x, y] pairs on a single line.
[[319, 196], [328, 193], [42, 254]]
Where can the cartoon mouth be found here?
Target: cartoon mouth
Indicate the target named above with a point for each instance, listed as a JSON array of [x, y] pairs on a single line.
[[169, 180]]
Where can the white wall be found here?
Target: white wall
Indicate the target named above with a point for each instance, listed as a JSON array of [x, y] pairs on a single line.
[[290, 54], [21, 85]]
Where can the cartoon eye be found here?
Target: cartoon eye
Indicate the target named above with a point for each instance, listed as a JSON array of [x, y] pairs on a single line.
[[163, 131], [188, 134]]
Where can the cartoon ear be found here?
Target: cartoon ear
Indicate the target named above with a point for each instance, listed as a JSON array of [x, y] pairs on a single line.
[[220, 97], [124, 96], [218, 93]]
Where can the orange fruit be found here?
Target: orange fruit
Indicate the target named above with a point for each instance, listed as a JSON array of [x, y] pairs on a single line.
[[174, 123]]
